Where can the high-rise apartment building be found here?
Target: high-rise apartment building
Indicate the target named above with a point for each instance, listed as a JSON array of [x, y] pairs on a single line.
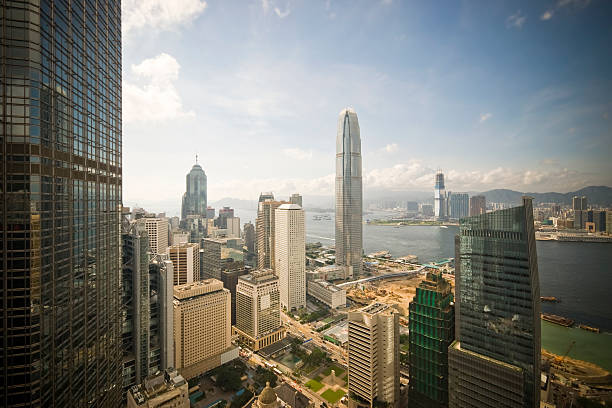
[[349, 199], [258, 321], [202, 327], [157, 229], [194, 199], [290, 255], [439, 196], [296, 199], [458, 205], [495, 359], [373, 355], [60, 203], [432, 330], [265, 226], [185, 260], [478, 205]]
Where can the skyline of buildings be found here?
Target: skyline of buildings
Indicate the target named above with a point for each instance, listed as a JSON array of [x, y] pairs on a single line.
[[349, 199]]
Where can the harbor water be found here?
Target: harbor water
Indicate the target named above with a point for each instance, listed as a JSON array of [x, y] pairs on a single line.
[[578, 274]]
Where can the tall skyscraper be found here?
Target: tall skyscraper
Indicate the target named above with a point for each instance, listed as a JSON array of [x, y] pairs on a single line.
[[495, 358], [458, 205], [157, 229], [290, 255], [478, 205], [202, 327], [373, 355], [349, 200], [185, 262], [194, 199], [432, 330], [439, 196], [265, 226], [579, 203], [60, 203], [258, 321], [249, 237], [296, 199], [161, 275]]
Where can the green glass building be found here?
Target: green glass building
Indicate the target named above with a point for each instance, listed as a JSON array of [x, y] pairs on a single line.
[[495, 360], [432, 330]]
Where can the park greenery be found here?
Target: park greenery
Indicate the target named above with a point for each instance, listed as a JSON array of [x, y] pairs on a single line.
[[263, 375], [229, 375]]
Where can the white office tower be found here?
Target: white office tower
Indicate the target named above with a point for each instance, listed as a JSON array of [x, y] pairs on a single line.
[[349, 203], [373, 355], [157, 228], [290, 255]]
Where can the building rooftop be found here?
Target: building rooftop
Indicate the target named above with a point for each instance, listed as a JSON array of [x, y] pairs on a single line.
[[289, 207], [327, 285], [199, 288], [161, 387], [259, 276], [375, 308]]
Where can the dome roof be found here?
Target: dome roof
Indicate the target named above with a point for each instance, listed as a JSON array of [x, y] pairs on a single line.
[[267, 396]]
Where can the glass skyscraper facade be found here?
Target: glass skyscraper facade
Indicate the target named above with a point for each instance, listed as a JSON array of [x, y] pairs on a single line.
[[60, 202], [439, 197], [496, 355], [349, 199], [432, 330], [194, 199]]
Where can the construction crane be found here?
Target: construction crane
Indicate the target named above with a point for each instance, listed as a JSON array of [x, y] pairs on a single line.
[[559, 359]]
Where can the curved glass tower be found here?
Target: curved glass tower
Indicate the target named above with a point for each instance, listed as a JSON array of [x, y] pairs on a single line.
[[349, 202], [194, 199]]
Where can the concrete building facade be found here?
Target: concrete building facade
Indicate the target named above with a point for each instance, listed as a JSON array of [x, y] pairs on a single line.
[[265, 230], [290, 255], [185, 259], [373, 356], [202, 327], [349, 198], [157, 229], [258, 321], [478, 205], [327, 293]]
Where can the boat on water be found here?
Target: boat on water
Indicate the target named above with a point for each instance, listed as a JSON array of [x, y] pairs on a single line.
[[549, 299], [560, 320], [589, 328], [443, 226]]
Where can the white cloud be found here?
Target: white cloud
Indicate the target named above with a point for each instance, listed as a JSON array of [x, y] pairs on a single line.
[[159, 14], [282, 14], [485, 116], [516, 20], [298, 154], [548, 14], [157, 99], [391, 148]]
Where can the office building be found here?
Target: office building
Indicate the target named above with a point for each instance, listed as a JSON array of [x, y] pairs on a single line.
[[290, 253], [327, 293], [599, 219], [60, 204], [373, 356], [478, 205], [232, 225], [432, 330], [458, 205], [439, 197], [258, 321], [230, 273], [265, 226], [180, 237], [202, 327], [427, 210], [349, 199], [185, 260], [296, 199], [579, 203], [194, 199], [412, 206], [135, 295], [164, 390], [157, 229], [495, 359], [210, 213], [161, 275], [224, 213], [609, 221], [249, 237], [213, 258]]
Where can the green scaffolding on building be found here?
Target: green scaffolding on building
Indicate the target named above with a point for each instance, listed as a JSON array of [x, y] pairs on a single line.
[[432, 330]]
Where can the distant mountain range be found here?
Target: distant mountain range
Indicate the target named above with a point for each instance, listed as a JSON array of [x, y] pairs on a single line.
[[596, 195]]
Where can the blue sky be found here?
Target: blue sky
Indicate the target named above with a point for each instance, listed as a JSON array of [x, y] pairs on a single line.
[[498, 94]]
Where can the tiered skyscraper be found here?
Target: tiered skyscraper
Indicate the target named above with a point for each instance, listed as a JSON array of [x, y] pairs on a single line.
[[194, 199], [349, 200], [439, 197], [60, 204], [495, 359]]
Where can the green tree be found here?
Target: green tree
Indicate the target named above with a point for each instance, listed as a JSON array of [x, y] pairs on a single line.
[[263, 375]]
